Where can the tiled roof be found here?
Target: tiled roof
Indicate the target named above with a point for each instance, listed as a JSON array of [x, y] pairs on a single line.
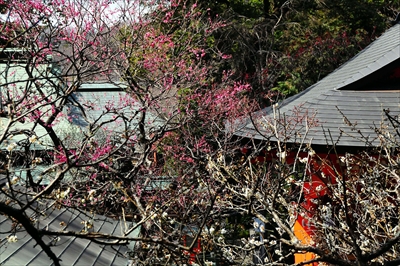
[[71, 250], [334, 103], [98, 96]]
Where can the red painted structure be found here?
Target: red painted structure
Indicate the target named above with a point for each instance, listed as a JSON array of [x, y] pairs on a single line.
[[195, 251], [322, 169]]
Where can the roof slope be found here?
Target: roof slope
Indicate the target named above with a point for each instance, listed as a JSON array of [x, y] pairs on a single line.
[[340, 115], [71, 250], [103, 103]]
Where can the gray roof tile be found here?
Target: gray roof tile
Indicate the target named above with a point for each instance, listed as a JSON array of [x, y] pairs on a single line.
[[75, 124], [71, 250], [326, 97]]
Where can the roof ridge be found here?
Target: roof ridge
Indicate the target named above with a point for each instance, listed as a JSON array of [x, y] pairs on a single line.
[[325, 95], [363, 52], [378, 64], [316, 85]]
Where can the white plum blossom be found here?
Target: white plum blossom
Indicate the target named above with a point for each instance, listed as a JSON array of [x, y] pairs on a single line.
[[12, 239], [63, 194], [33, 139], [262, 228], [303, 160], [91, 194], [282, 155], [37, 160], [14, 180], [255, 225], [11, 146], [247, 192]]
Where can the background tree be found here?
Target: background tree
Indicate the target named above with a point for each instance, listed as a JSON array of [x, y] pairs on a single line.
[[97, 155], [286, 46]]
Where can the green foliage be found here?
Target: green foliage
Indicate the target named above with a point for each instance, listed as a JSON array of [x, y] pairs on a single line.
[[239, 226], [250, 9], [286, 88], [287, 46], [359, 14]]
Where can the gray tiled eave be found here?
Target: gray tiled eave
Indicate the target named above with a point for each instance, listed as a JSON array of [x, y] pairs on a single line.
[[366, 114], [71, 250], [323, 99]]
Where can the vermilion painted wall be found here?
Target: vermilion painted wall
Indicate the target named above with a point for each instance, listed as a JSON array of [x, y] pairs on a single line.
[[323, 169]]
